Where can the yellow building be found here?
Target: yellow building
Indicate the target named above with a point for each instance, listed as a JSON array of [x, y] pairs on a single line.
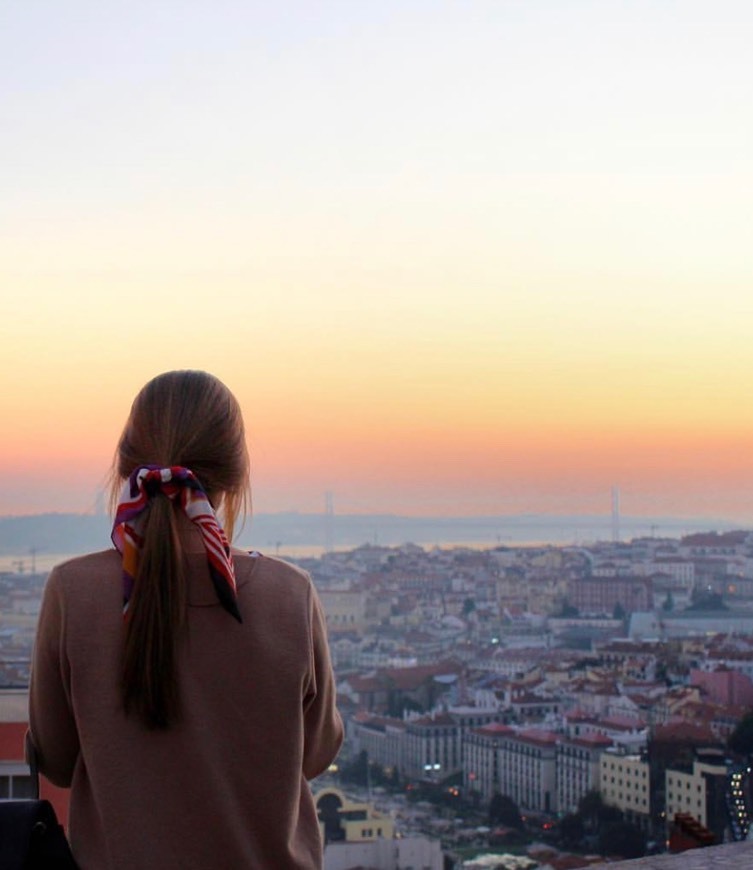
[[546, 594], [342, 819], [345, 610], [690, 791]]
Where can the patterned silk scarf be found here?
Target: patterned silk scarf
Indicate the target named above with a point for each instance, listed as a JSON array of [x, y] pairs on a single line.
[[177, 483]]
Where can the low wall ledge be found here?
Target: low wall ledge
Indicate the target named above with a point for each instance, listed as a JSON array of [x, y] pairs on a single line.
[[738, 855]]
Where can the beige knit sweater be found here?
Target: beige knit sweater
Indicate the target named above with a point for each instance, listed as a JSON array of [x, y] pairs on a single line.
[[227, 788]]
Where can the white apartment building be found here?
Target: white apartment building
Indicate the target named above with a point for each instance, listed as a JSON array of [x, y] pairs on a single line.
[[481, 759], [528, 770], [578, 768], [681, 570], [517, 763], [432, 747], [382, 738], [425, 747]]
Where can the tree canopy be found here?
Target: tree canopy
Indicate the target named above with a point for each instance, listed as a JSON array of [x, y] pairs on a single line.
[[571, 830], [504, 811], [623, 839], [741, 739]]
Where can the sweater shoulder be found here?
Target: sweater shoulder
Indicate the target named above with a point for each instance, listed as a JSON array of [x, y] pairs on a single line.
[[80, 568], [90, 561], [273, 578], [86, 585], [282, 572]]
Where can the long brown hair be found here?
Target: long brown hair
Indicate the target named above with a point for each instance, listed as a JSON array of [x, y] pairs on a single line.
[[187, 418]]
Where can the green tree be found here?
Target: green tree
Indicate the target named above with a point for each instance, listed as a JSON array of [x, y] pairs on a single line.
[[706, 599], [357, 771], [669, 603], [504, 811], [569, 611], [619, 611], [623, 839], [590, 808], [595, 813], [741, 739], [571, 830]]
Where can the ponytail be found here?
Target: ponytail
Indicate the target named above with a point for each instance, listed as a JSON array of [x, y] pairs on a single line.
[[179, 420], [155, 622]]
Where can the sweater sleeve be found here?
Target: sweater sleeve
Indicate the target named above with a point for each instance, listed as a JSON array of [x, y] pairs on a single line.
[[323, 728], [51, 722]]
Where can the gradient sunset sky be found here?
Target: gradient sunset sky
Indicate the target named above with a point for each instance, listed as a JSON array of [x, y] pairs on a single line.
[[452, 257]]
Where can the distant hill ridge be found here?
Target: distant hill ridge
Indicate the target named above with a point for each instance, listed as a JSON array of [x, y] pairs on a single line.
[[80, 533]]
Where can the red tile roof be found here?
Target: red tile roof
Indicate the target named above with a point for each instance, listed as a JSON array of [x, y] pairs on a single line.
[[12, 740], [622, 723], [366, 684], [540, 738], [591, 740], [686, 732], [412, 678], [438, 719], [494, 729]]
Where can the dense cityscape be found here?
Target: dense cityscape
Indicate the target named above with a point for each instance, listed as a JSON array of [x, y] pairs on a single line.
[[458, 271], [552, 703]]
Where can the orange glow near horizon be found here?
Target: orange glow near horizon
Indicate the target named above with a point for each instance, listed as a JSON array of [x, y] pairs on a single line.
[[382, 457], [430, 416]]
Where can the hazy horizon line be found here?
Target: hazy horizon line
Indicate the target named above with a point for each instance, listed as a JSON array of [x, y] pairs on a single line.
[[469, 517]]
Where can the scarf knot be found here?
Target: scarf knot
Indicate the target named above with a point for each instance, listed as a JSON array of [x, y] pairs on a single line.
[[180, 485]]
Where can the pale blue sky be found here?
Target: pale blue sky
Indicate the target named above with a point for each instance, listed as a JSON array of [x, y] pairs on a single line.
[[348, 205]]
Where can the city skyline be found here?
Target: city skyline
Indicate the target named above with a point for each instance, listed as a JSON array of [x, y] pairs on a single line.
[[453, 260]]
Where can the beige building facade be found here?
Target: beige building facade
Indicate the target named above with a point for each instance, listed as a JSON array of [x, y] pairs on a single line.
[[624, 783], [688, 791]]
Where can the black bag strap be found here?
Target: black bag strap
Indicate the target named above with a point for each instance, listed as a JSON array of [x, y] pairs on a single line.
[[30, 836], [31, 758]]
